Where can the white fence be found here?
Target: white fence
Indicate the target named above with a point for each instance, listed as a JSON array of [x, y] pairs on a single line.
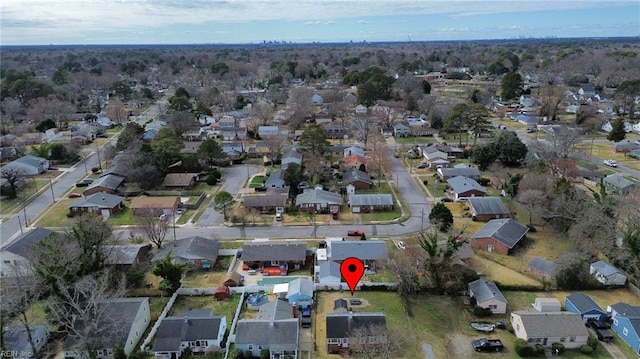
[[232, 336], [144, 347]]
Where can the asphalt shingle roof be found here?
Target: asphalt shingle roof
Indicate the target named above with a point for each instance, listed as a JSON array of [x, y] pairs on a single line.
[[109, 181], [552, 324], [365, 250], [456, 171], [605, 268], [266, 332], [190, 248], [266, 200], [618, 181], [123, 253], [461, 184], [100, 200], [379, 199], [274, 251], [353, 176], [484, 290], [275, 310], [23, 244], [583, 302], [174, 330], [544, 265], [627, 310], [505, 230], [302, 286], [330, 269], [340, 325], [488, 205], [314, 195]]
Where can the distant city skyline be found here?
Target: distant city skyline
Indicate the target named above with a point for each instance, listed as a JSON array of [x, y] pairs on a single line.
[[95, 22]]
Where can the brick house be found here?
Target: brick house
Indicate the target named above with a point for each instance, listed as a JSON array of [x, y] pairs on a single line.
[[499, 235]]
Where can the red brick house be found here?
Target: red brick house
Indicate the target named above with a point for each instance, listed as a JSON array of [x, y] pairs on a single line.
[[143, 205], [499, 235], [103, 204], [487, 208], [274, 258], [359, 179]]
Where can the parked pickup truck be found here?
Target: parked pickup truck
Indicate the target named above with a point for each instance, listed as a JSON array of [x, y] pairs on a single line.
[[487, 345]]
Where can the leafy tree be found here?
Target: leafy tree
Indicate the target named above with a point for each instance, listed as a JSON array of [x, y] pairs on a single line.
[[122, 89], [484, 156], [438, 262], [441, 216], [476, 117], [293, 175], [181, 92], [222, 200], [170, 272], [313, 141], [45, 125], [220, 68], [166, 148], [617, 130], [130, 134], [60, 77], [510, 149], [12, 176], [426, 87], [511, 86], [178, 103], [627, 94], [211, 152], [23, 86]]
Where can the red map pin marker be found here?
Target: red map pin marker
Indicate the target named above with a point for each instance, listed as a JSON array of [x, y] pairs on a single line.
[[352, 270]]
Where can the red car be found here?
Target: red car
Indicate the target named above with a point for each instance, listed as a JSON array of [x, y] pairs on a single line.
[[75, 195], [355, 233]]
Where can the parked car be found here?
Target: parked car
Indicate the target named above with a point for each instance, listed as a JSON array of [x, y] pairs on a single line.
[[422, 165], [446, 199], [102, 135], [74, 195], [180, 211], [85, 182], [163, 217], [279, 217], [610, 163], [487, 345], [401, 245], [355, 233]]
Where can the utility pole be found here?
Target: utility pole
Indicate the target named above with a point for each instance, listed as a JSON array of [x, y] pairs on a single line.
[[422, 221], [174, 226], [51, 187], [20, 223]]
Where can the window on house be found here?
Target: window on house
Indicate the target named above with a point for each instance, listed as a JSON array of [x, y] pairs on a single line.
[[204, 343], [363, 340], [275, 263], [562, 339], [250, 347], [6, 262], [625, 331], [259, 347], [197, 343], [372, 340], [615, 322], [572, 339], [493, 306]]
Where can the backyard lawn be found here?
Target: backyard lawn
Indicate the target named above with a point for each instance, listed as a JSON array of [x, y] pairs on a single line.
[[223, 307], [257, 181]]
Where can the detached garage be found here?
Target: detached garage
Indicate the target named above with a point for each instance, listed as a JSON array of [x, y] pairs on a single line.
[[584, 305]]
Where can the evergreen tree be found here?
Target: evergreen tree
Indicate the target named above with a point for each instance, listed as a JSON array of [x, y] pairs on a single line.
[[617, 133], [441, 216]]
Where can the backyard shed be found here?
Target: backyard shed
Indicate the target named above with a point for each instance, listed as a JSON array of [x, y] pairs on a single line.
[[222, 293]]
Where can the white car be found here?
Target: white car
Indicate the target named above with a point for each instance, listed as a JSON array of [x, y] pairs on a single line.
[[401, 245], [610, 163]]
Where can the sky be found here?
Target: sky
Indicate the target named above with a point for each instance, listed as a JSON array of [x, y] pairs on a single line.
[[87, 22]]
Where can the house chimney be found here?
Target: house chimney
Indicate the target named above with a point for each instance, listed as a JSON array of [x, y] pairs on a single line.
[[294, 311]]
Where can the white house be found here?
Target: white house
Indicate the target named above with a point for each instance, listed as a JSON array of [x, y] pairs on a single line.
[[316, 99], [197, 330], [608, 126], [28, 165], [547, 305], [548, 328], [15, 262], [636, 127], [607, 274], [487, 295], [361, 110]]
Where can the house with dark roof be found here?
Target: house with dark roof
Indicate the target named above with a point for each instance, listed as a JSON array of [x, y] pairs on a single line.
[[120, 165], [364, 203], [499, 235], [275, 179], [127, 255], [543, 267], [584, 306], [180, 180], [625, 320], [334, 130], [267, 203], [103, 204], [197, 330], [607, 274], [234, 133], [108, 184], [548, 328], [329, 273], [353, 150], [291, 157], [233, 149], [146, 205], [618, 184], [371, 253], [319, 201], [197, 252], [401, 130], [359, 179], [277, 309], [343, 327], [487, 208], [446, 173], [274, 258], [127, 318], [28, 165], [15, 257], [464, 187], [16, 339], [487, 295], [279, 337]]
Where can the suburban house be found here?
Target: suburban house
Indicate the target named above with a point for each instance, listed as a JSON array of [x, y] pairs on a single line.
[[543, 267], [197, 252], [469, 172], [334, 130], [16, 339], [120, 165], [626, 322], [15, 256], [548, 328], [319, 201], [547, 305], [300, 292], [353, 162], [464, 187], [233, 149], [584, 306], [487, 208], [353, 150], [359, 179], [129, 319], [103, 204], [291, 157], [488, 296], [28, 165], [127, 255], [369, 252], [342, 327], [608, 126], [271, 202], [280, 337], [607, 274], [273, 258], [234, 133], [625, 146], [370, 202], [146, 205], [499, 235], [618, 184], [264, 131], [361, 110], [180, 180], [198, 330], [329, 273], [111, 184], [316, 99], [401, 130], [233, 279], [275, 179], [436, 159]]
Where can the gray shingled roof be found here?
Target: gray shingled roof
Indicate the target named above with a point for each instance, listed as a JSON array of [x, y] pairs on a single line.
[[266, 200], [544, 265], [31, 160], [505, 230], [461, 184], [488, 205], [190, 248], [330, 269], [314, 195], [484, 290], [378, 199], [17, 339], [365, 250], [300, 285], [604, 268], [23, 244], [340, 325], [265, 332], [355, 175], [618, 181], [109, 181], [123, 253], [456, 171], [627, 310], [100, 200], [274, 251], [276, 179], [583, 302], [174, 330], [275, 310], [552, 324]]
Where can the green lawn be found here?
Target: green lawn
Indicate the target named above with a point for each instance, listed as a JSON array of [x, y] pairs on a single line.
[[224, 307], [231, 244], [56, 216], [382, 216], [416, 140], [257, 181], [124, 217]]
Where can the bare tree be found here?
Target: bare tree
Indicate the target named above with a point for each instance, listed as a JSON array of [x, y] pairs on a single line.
[[13, 176], [11, 108], [275, 145], [363, 127], [17, 300], [377, 341], [380, 160], [86, 311], [404, 267], [263, 110], [562, 144], [181, 122], [117, 111], [387, 116], [154, 225], [532, 200], [301, 105]]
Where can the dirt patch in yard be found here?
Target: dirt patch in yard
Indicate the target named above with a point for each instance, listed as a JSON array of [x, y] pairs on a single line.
[[459, 346]]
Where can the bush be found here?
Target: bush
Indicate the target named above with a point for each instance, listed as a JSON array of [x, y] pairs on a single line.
[[532, 228], [585, 349], [592, 342], [557, 348], [95, 169], [539, 349], [523, 349], [425, 182], [482, 312], [212, 179], [484, 181]]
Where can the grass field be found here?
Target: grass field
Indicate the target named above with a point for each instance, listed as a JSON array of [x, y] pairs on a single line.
[[223, 307], [257, 181], [493, 271]]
